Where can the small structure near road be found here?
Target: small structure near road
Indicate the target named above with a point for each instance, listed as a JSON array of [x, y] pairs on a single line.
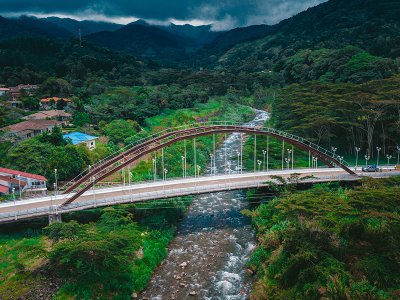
[[21, 181], [77, 138]]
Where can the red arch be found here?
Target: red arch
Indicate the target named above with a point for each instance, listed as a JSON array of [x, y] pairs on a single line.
[[106, 168]]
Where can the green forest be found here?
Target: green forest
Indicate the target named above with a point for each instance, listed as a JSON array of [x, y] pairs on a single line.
[[329, 242], [330, 74]]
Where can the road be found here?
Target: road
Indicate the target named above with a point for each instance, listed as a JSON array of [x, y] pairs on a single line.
[[11, 211]]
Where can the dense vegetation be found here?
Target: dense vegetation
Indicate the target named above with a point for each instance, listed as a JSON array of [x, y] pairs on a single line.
[[90, 255], [342, 115], [329, 242]]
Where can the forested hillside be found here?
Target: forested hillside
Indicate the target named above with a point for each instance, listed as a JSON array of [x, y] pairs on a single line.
[[370, 25]]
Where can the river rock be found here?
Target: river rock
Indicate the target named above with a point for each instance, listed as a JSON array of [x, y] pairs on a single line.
[[134, 296], [192, 293], [184, 264]]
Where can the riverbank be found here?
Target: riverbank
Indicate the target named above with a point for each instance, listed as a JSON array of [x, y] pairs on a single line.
[[89, 256], [329, 242]]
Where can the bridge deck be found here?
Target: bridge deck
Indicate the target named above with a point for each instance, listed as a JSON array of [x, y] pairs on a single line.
[[43, 206]]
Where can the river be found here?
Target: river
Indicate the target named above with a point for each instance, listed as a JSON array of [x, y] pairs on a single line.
[[207, 257]]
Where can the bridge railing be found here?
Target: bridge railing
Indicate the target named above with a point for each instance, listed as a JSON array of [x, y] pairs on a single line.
[[140, 197], [149, 137]]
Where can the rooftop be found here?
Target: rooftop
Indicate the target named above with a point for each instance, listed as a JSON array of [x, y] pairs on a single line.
[[22, 174], [48, 114], [31, 125], [3, 189], [12, 180], [79, 137], [55, 99]]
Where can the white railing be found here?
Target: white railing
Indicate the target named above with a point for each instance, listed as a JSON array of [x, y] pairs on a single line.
[[174, 192]]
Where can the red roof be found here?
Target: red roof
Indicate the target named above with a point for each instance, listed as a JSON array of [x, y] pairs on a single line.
[[3, 189], [23, 174]]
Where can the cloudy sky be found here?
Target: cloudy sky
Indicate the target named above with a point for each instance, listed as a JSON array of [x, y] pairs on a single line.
[[223, 14]]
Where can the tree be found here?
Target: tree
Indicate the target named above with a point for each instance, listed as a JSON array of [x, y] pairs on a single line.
[[119, 130]]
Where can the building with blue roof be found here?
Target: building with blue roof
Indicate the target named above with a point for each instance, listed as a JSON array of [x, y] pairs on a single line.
[[77, 138]]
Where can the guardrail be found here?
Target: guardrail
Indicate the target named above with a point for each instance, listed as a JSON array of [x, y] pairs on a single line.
[[175, 192]]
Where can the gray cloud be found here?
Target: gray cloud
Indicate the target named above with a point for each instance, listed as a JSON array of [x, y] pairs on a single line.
[[223, 14]]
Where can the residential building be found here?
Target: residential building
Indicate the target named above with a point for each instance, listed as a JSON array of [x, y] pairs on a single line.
[[3, 91], [77, 138], [51, 103], [53, 114], [28, 129], [21, 181]]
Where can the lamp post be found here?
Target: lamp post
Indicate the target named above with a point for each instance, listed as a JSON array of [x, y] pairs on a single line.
[[198, 171], [367, 157], [19, 186], [287, 160], [358, 149], [290, 156], [259, 165], [54, 185], [238, 163], [334, 149], [264, 152], [377, 158], [13, 192], [389, 157], [55, 178], [154, 169], [398, 154], [340, 159], [165, 174], [212, 163], [183, 166]]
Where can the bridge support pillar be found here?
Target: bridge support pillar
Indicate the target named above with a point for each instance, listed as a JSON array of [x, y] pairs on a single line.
[[55, 218]]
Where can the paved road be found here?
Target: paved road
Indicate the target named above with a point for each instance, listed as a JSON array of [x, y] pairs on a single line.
[[158, 190]]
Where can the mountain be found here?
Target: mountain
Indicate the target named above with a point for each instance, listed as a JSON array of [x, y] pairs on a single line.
[[142, 39], [49, 28], [29, 27], [86, 27], [228, 39], [373, 26], [200, 35]]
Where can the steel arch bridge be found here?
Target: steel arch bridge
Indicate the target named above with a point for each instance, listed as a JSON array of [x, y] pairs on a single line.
[[135, 151]]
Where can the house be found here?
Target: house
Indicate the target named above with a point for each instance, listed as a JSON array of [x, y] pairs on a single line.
[[28, 129], [77, 138], [50, 103], [53, 114], [21, 181], [3, 91]]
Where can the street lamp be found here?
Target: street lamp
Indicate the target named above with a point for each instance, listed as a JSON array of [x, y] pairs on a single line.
[[154, 169], [238, 169], [165, 174], [315, 162], [212, 160], [334, 149], [183, 166], [287, 160], [398, 154], [367, 157], [389, 157], [358, 149], [19, 186], [56, 184], [198, 171], [264, 152], [13, 192], [340, 159], [377, 158], [259, 165]]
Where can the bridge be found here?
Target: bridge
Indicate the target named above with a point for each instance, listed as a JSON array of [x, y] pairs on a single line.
[[82, 192]]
